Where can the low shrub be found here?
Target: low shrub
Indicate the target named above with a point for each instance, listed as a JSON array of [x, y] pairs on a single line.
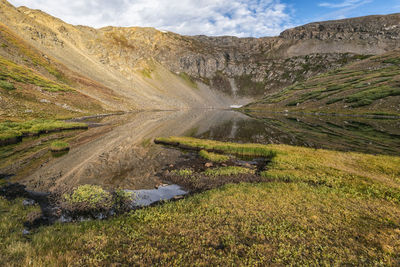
[[7, 85], [87, 198]]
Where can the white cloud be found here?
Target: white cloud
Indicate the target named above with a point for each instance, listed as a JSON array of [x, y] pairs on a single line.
[[346, 3], [210, 17], [342, 9]]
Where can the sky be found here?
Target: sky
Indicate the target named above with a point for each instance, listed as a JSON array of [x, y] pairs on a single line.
[[243, 18]]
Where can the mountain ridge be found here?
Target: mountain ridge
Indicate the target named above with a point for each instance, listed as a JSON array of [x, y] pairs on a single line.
[[152, 69]]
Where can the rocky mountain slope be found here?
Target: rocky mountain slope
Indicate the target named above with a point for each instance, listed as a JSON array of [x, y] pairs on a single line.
[[143, 68], [369, 86]]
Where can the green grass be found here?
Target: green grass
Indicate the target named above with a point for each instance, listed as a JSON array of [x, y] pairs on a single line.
[[32, 55], [146, 73], [25, 75], [367, 97], [6, 85], [59, 146], [360, 83], [89, 195], [188, 80], [183, 172], [230, 170], [213, 156], [34, 127], [224, 147], [317, 207], [395, 61]]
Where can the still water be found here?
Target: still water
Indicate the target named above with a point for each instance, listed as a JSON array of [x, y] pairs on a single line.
[[119, 152]]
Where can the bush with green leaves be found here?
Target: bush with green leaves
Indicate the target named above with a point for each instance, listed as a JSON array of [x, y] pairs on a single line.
[[7, 85], [87, 198]]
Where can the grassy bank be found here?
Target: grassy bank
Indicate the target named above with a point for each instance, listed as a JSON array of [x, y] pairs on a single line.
[[59, 146], [315, 207], [223, 147], [12, 132], [213, 156]]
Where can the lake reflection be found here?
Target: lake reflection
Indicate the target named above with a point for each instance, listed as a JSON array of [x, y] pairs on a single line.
[[121, 154], [375, 136]]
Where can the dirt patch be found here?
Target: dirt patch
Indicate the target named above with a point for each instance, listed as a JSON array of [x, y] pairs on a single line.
[[190, 169]]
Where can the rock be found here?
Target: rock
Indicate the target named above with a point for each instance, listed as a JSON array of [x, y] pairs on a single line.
[[28, 202], [160, 185], [208, 165], [44, 101], [100, 216], [26, 232]]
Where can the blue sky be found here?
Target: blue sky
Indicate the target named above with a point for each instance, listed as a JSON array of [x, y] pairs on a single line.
[[210, 17], [310, 11]]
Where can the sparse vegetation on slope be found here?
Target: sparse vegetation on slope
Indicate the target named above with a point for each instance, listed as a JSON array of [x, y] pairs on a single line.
[[372, 85], [31, 55], [33, 85], [6, 85], [20, 74]]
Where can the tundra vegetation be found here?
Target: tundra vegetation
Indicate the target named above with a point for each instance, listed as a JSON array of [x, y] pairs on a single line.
[[213, 156], [366, 87], [12, 130], [312, 207], [59, 146]]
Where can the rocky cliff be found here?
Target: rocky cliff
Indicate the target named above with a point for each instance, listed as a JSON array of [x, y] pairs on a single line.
[[151, 69]]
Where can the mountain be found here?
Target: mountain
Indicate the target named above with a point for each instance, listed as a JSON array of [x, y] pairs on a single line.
[[115, 68], [370, 86]]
